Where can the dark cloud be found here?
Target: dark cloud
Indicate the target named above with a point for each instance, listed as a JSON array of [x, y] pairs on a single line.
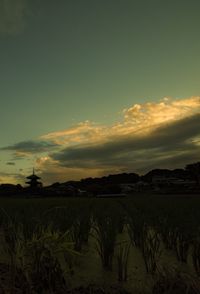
[[31, 146], [169, 144], [10, 163], [17, 156], [12, 16]]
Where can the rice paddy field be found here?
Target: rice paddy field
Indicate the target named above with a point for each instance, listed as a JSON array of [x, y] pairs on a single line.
[[137, 244]]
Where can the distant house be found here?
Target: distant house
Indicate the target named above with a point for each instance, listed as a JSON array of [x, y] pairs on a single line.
[[163, 180], [139, 186], [117, 195], [172, 184], [64, 190], [126, 188], [170, 180]]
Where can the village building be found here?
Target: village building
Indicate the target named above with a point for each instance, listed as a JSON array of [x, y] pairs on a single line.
[[172, 184], [33, 181]]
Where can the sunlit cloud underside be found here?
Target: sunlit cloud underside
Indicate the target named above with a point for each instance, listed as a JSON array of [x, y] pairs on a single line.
[[162, 134]]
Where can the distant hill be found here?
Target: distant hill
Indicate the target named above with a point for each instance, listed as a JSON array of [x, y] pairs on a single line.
[[100, 185]]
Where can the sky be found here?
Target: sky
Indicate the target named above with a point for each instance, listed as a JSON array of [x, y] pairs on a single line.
[[97, 87]]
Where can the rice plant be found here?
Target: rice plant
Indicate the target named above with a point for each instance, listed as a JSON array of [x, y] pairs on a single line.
[[122, 261], [196, 256], [136, 227], [183, 242], [151, 250], [13, 246], [61, 218], [146, 239], [80, 230], [168, 232], [105, 235], [42, 262], [36, 259], [171, 281]]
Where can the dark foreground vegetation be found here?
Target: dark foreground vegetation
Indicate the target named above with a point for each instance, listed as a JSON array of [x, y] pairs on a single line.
[[139, 244]]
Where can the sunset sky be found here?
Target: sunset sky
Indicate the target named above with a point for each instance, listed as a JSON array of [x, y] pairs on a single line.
[[93, 87]]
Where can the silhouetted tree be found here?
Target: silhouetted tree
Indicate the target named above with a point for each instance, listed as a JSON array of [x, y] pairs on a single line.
[[194, 170], [155, 172]]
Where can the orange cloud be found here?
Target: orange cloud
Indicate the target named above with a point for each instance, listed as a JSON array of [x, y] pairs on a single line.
[[147, 116], [139, 118], [148, 135]]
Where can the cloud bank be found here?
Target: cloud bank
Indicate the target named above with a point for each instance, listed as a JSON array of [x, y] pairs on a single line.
[[30, 147], [162, 134]]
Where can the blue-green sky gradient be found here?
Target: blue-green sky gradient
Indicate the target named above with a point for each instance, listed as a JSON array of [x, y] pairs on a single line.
[[68, 61]]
